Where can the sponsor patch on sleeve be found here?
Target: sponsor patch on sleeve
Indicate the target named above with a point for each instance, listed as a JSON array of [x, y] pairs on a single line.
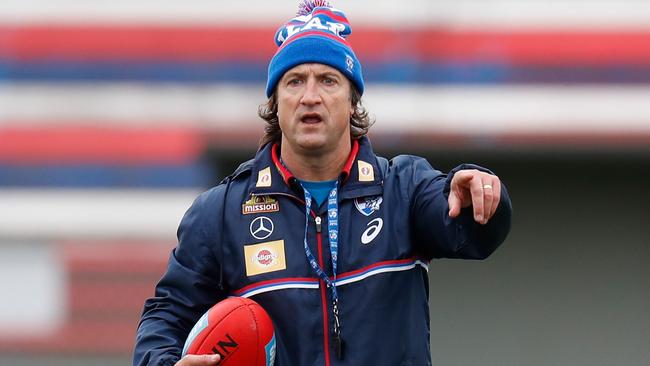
[[264, 257]]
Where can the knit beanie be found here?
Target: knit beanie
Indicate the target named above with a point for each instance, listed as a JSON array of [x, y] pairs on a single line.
[[316, 35]]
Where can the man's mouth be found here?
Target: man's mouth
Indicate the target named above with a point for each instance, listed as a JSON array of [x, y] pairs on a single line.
[[311, 118]]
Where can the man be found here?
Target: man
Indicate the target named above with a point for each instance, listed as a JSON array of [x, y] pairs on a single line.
[[333, 241]]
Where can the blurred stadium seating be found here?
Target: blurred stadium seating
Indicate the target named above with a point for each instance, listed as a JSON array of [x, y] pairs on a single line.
[[113, 115]]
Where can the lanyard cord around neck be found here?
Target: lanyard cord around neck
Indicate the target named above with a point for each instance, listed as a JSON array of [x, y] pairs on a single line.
[[333, 235]]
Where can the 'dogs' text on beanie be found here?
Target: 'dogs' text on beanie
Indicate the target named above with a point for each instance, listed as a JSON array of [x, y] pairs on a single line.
[[316, 35]]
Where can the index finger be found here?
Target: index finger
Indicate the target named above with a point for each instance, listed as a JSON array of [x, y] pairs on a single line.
[[199, 360]]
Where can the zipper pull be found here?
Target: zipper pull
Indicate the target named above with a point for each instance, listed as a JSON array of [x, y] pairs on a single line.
[[319, 228], [337, 340], [339, 346]]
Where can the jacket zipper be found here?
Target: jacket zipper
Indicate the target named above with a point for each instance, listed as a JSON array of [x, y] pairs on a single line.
[[323, 288], [323, 294]]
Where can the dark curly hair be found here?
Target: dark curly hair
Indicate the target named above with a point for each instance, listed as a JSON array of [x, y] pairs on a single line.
[[360, 121]]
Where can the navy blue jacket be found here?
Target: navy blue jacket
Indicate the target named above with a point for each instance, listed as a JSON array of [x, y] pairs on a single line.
[[244, 237]]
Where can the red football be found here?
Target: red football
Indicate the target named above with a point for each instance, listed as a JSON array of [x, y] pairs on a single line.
[[238, 329]]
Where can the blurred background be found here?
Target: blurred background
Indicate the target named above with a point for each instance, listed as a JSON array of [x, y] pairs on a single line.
[[114, 115]]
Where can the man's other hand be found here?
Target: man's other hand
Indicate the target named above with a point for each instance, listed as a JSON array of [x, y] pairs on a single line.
[[199, 360]]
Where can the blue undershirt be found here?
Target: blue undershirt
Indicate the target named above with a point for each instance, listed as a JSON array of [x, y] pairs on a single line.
[[319, 190]]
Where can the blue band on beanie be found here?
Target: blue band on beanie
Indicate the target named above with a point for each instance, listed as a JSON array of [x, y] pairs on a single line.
[[317, 37]]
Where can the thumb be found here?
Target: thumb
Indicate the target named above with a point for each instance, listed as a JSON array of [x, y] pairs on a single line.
[[454, 204], [199, 360]]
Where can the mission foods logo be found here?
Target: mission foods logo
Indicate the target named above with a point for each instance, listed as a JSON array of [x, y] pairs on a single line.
[[260, 204], [265, 257]]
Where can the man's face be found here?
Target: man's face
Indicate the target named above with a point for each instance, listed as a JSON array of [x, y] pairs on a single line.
[[314, 109]]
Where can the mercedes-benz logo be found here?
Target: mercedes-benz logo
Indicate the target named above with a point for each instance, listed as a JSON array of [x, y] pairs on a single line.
[[261, 227]]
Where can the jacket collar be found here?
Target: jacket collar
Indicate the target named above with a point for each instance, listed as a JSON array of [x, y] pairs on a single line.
[[361, 175]]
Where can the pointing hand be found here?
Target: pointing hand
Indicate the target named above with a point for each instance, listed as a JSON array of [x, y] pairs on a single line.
[[472, 187]]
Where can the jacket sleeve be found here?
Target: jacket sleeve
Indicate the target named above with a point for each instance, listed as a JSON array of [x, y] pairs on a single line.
[[189, 287], [439, 236]]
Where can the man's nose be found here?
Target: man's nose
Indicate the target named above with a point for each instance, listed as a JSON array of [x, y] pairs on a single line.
[[311, 96]]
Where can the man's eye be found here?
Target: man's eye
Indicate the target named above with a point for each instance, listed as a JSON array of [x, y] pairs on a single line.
[[294, 82], [329, 81]]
